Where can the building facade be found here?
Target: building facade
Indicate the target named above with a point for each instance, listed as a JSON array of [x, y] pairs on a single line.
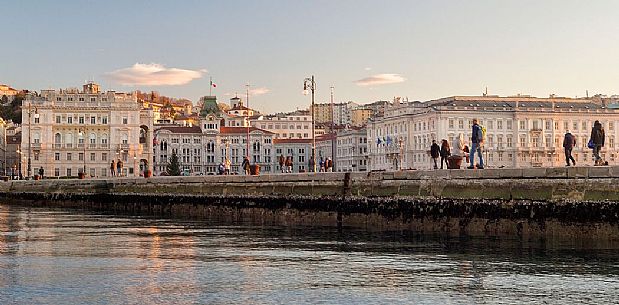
[[352, 150], [67, 132], [521, 131]]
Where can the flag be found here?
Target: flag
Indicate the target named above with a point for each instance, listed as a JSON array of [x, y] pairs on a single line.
[[378, 141], [388, 140], [213, 84]]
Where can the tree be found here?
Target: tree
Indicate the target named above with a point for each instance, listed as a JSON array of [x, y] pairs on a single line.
[[173, 168], [223, 107]]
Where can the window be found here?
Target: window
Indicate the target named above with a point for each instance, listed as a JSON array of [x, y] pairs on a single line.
[[584, 125], [125, 120], [509, 124], [460, 124], [611, 126], [556, 125], [521, 124], [451, 123], [301, 158], [70, 120], [80, 156], [69, 156], [499, 124], [68, 172], [93, 120], [301, 150], [92, 99], [57, 156], [104, 157], [57, 119], [575, 125], [81, 120], [510, 142], [104, 120], [548, 124], [523, 141], [93, 157], [81, 99], [56, 172]]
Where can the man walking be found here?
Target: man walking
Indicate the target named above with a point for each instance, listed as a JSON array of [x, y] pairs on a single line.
[[477, 140], [597, 137], [435, 152], [569, 141]]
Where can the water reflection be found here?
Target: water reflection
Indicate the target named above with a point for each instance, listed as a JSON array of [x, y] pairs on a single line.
[[69, 257]]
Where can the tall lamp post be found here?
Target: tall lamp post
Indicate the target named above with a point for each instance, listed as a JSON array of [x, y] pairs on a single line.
[[36, 116], [310, 85], [82, 133]]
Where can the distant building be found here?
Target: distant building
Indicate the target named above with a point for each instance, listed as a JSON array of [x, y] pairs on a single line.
[[7, 91], [352, 150]]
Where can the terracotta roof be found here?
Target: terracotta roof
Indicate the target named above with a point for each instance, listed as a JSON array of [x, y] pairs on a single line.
[[326, 137], [292, 141], [181, 129], [241, 130]]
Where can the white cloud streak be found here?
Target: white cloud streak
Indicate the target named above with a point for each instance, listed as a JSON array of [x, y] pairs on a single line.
[[380, 79], [259, 91], [153, 74]]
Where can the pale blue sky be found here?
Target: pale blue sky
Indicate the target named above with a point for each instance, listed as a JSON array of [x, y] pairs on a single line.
[[441, 48]]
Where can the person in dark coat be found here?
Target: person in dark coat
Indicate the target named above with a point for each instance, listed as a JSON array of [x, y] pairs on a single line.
[[477, 140], [245, 165], [41, 172], [435, 152], [445, 152], [466, 153], [569, 141], [597, 137]]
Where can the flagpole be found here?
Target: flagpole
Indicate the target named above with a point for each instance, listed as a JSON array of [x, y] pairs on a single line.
[[210, 87]]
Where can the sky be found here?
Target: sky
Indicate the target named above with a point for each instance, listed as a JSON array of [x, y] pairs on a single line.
[[367, 50]]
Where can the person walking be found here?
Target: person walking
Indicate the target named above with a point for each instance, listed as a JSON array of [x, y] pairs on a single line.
[[457, 151], [597, 139], [289, 164], [282, 163], [477, 140], [435, 152], [227, 166], [119, 168], [113, 168], [569, 141], [445, 152], [41, 172], [245, 165]]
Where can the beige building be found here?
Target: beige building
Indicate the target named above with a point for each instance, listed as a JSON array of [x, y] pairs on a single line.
[[352, 150], [8, 91], [522, 131], [296, 125], [68, 131], [360, 116]]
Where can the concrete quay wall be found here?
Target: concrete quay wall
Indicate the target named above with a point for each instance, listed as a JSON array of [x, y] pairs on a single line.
[[574, 205]]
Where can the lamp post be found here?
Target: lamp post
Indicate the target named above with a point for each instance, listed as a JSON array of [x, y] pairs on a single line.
[[401, 146], [310, 85], [36, 116], [82, 134]]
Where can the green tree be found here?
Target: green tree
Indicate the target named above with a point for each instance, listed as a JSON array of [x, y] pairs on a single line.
[[173, 168]]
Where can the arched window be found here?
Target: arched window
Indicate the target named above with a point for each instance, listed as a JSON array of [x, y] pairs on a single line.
[[104, 138], [57, 138], [93, 138], [125, 138], [36, 137]]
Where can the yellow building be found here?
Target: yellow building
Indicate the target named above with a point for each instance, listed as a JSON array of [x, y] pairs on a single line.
[[360, 116]]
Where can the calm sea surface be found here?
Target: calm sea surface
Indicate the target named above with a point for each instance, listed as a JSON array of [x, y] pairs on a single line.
[[72, 257]]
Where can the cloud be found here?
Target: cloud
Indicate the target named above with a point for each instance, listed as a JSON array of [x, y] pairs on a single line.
[[380, 79], [258, 91], [367, 69], [153, 75]]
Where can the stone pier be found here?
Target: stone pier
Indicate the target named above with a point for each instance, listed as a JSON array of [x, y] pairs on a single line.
[[573, 204]]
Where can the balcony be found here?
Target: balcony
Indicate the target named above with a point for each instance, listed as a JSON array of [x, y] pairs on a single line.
[[104, 146]]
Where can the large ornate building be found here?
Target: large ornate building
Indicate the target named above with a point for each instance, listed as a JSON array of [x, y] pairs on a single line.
[[522, 131], [69, 131]]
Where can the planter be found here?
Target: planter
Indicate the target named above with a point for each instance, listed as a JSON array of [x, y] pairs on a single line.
[[454, 162], [254, 169], [81, 175], [148, 173], [37, 177]]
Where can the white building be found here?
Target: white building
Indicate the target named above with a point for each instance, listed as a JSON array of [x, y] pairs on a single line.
[[296, 125], [352, 150], [67, 131], [522, 131], [299, 149]]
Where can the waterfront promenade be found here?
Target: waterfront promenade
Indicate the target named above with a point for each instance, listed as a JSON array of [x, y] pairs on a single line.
[[574, 203]]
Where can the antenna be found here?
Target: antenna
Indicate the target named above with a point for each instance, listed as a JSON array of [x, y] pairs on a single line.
[[331, 110]]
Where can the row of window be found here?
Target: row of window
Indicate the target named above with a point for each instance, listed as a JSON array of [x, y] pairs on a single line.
[[81, 99]]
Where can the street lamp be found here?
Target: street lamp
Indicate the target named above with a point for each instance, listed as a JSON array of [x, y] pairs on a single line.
[[310, 85], [82, 134], [19, 153], [36, 116]]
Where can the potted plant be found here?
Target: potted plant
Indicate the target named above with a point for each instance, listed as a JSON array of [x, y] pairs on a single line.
[[81, 175]]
